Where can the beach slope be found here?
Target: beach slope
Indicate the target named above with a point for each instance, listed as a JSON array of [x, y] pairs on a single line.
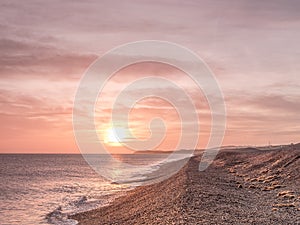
[[245, 186]]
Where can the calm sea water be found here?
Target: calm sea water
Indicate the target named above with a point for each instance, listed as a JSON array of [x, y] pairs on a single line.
[[44, 189]]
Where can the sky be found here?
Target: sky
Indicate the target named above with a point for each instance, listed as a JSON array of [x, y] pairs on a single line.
[[252, 47]]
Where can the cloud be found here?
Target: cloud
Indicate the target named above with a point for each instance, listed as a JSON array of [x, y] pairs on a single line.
[[31, 107], [251, 46], [29, 59], [262, 118]]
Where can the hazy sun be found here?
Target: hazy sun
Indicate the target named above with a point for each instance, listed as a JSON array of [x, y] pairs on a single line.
[[115, 136]]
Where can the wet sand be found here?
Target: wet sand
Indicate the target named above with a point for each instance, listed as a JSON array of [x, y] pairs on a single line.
[[247, 186]]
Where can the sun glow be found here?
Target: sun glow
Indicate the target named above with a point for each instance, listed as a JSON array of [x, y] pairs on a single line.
[[115, 136]]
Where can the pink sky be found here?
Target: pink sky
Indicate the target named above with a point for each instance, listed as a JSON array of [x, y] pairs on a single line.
[[251, 46]]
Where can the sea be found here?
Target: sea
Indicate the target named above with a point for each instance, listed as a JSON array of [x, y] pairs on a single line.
[[46, 188]]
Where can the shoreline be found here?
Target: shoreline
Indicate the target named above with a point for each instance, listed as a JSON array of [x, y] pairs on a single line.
[[236, 188]]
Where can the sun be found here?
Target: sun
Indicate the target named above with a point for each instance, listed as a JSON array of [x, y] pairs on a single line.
[[115, 136]]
